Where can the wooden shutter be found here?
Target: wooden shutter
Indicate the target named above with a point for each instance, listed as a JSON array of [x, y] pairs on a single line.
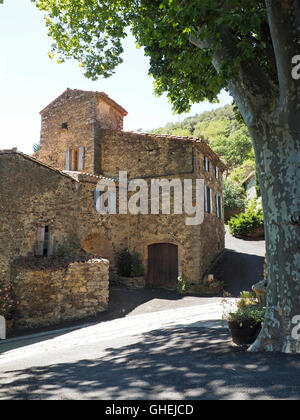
[[97, 200], [81, 159], [220, 207], [68, 161], [40, 241]]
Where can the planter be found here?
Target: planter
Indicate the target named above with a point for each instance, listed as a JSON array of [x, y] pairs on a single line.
[[244, 335]]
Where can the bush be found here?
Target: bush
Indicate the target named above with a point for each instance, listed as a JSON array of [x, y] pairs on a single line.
[[6, 296], [130, 265], [234, 196], [246, 223]]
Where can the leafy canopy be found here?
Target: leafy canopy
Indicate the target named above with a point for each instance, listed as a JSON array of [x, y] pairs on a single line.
[[92, 32], [229, 139]]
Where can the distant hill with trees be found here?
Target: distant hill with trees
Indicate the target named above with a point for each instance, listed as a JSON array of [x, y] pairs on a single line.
[[227, 136]]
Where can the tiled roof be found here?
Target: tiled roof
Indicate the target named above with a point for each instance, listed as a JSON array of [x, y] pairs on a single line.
[[101, 95], [201, 142], [35, 161]]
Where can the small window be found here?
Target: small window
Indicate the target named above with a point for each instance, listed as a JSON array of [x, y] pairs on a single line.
[[64, 126], [217, 172], [206, 164], [43, 241], [207, 199], [219, 209], [75, 159]]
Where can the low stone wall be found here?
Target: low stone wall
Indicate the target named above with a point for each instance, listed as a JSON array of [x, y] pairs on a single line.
[[61, 292]]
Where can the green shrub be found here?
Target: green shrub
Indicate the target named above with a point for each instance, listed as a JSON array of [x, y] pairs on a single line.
[[130, 265], [254, 314], [234, 196], [247, 223], [124, 263], [183, 285], [137, 268]]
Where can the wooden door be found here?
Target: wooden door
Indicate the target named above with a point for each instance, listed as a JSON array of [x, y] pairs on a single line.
[[162, 266]]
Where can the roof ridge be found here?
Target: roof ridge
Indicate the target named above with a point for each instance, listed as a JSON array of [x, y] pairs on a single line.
[[36, 161], [103, 95]]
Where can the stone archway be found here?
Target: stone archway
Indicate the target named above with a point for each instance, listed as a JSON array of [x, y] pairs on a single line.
[[97, 244]]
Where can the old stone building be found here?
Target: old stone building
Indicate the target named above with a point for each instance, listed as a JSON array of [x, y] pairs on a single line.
[[48, 210]]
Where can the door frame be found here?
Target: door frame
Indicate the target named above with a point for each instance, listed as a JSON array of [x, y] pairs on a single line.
[[163, 241]]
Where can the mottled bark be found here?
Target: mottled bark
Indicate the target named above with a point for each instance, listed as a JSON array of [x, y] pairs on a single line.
[[272, 114], [278, 161]]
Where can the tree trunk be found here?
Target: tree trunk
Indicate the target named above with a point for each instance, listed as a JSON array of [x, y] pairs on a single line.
[[277, 148]]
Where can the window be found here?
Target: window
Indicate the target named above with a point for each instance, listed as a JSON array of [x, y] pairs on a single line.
[[206, 164], [43, 241], [64, 126], [75, 159], [219, 207], [217, 172], [207, 199]]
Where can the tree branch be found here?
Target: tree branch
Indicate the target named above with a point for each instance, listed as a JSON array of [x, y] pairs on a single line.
[[284, 22], [251, 88]]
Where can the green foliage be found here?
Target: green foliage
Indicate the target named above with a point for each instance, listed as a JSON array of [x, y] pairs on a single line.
[[92, 32], [225, 135], [246, 299], [6, 296], [234, 196], [137, 268], [240, 173], [124, 263], [129, 265], [247, 310], [247, 223], [183, 285], [254, 314]]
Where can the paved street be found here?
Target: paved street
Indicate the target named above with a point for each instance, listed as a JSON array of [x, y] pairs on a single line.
[[175, 354], [150, 345]]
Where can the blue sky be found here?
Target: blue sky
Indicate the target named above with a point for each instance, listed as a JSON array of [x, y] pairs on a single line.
[[29, 80]]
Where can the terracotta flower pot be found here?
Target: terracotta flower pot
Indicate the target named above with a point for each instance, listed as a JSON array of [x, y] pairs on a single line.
[[245, 334]]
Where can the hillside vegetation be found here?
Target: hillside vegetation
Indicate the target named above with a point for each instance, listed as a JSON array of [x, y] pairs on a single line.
[[225, 134]]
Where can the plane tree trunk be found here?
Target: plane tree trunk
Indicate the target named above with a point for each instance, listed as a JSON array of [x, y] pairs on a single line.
[[278, 162], [271, 109]]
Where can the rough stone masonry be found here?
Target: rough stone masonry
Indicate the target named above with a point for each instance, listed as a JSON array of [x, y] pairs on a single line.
[[47, 210]]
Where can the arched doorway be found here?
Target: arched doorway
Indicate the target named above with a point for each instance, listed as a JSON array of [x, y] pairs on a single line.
[[162, 266]]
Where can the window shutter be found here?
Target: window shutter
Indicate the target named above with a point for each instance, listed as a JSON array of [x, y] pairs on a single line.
[[40, 241], [68, 160], [205, 198], [97, 200], [220, 207], [81, 159], [210, 200], [217, 205]]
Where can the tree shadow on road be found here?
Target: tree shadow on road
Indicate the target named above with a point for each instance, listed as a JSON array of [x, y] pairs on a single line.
[[179, 363]]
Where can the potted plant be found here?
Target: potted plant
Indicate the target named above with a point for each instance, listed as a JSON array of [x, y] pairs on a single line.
[[245, 319]]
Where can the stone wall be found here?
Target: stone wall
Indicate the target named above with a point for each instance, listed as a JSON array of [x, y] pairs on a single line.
[[32, 195], [143, 155], [76, 110], [82, 113], [48, 294]]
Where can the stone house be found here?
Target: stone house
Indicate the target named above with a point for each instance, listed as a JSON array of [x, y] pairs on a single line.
[[48, 202]]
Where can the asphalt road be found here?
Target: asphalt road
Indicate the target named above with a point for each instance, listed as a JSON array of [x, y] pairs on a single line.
[[152, 345]]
